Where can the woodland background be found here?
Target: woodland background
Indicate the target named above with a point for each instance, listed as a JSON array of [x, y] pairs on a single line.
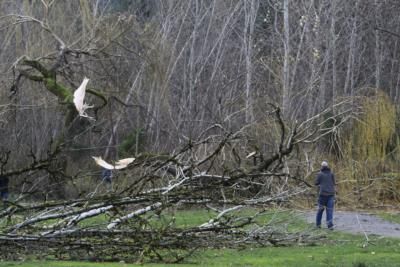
[[171, 69], [166, 74]]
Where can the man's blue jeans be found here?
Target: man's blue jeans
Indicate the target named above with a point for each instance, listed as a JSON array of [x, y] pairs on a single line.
[[329, 203]]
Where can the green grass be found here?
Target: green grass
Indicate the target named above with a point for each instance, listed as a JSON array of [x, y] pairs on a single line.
[[348, 252], [193, 218], [324, 255], [391, 217], [338, 249]]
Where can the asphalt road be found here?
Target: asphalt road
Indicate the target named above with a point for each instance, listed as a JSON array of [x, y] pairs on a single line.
[[360, 223]]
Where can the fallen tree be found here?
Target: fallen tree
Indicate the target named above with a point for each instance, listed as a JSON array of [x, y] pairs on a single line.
[[135, 220]]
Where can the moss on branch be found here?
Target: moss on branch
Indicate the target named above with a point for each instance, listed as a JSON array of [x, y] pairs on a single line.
[[64, 94], [39, 67]]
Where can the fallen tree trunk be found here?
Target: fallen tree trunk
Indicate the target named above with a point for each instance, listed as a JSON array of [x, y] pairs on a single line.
[[137, 218]]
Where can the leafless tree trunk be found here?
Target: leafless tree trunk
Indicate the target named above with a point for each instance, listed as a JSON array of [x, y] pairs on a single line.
[[286, 59]]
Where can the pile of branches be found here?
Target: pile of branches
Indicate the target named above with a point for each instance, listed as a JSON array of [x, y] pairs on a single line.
[[135, 220]]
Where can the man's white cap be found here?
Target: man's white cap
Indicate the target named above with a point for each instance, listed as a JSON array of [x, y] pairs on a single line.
[[324, 164]]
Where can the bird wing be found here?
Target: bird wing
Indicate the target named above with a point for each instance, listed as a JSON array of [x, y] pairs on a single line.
[[79, 96], [119, 167], [99, 161], [123, 163], [126, 161], [251, 154]]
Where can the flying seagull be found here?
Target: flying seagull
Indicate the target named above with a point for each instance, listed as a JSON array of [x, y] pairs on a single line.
[[123, 162], [120, 164], [79, 96], [251, 154]]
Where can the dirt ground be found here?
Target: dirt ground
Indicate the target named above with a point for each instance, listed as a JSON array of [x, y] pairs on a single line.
[[360, 222]]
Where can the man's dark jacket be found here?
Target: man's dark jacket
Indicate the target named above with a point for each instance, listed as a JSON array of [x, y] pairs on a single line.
[[326, 181], [3, 183]]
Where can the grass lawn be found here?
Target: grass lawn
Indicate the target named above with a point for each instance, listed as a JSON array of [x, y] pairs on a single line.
[[337, 250], [385, 253], [391, 217]]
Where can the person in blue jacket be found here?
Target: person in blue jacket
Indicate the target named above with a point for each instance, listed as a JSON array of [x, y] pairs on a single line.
[[326, 199]]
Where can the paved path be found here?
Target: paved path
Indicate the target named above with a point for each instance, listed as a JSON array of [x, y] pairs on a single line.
[[360, 222]]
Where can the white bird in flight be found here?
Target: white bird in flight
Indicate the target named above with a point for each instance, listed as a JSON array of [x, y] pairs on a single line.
[[251, 154], [123, 162], [79, 96], [120, 164]]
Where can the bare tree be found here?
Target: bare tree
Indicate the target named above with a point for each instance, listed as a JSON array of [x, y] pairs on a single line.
[[155, 184], [220, 101]]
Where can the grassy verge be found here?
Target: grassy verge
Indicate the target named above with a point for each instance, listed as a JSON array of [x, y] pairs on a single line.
[[391, 217]]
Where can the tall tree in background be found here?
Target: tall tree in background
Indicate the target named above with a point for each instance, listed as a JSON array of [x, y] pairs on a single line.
[[164, 71]]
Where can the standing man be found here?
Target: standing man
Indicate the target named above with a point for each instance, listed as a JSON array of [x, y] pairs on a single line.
[[106, 177], [4, 187], [326, 182]]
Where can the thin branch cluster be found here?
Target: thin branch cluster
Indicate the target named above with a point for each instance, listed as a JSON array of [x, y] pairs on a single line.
[[138, 217]]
